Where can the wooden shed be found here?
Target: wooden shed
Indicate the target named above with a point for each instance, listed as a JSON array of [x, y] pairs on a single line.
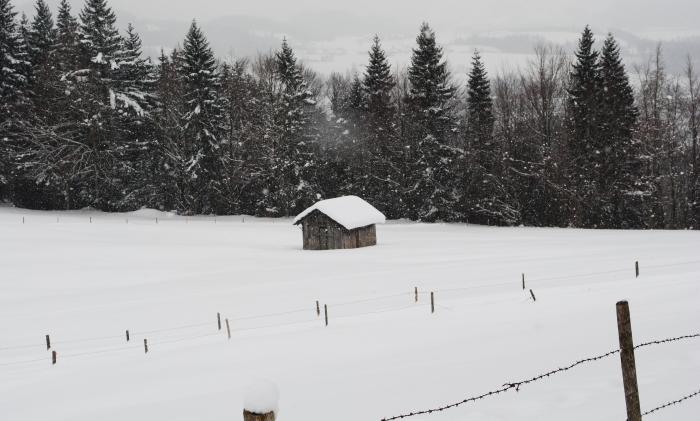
[[342, 223]]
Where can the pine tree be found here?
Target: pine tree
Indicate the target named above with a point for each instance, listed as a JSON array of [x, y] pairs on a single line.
[[293, 187], [431, 93], [202, 124], [67, 44], [99, 38], [42, 35], [14, 94], [432, 189], [584, 134], [620, 166], [480, 114], [384, 187]]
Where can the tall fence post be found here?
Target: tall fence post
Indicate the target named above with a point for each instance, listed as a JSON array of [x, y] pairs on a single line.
[[318, 309], [252, 416], [416, 293], [636, 269], [48, 342], [228, 329], [325, 310], [128, 338], [523, 282], [218, 320], [432, 302], [53, 357], [629, 370], [145, 346]]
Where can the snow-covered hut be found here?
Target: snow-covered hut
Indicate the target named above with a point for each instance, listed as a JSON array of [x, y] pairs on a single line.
[[343, 223]]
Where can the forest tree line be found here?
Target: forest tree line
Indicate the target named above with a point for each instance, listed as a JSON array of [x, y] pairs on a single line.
[[87, 121]]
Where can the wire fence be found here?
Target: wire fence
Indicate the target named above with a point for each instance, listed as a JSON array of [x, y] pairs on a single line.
[[508, 386]]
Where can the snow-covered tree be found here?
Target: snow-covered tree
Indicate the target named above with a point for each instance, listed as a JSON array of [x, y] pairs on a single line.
[[42, 35]]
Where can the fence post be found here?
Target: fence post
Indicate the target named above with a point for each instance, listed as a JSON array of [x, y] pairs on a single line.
[[325, 310], [145, 346], [416, 293], [252, 416], [48, 342], [127, 335], [318, 309], [523, 282], [629, 370], [532, 294], [53, 357], [636, 269], [228, 329], [218, 320], [432, 302]]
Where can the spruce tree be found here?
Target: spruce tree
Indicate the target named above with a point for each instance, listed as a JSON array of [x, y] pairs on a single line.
[[432, 189], [384, 187], [67, 42], [480, 118], [620, 164], [584, 134], [202, 124], [14, 95], [42, 35], [99, 38], [294, 187]]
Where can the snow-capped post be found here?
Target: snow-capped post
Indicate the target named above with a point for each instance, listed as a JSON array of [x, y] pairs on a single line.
[[53, 357], [325, 310], [432, 302], [261, 402], [218, 320], [127, 335], [228, 329], [48, 342], [629, 370], [145, 346], [532, 294], [636, 269], [523, 282], [318, 309]]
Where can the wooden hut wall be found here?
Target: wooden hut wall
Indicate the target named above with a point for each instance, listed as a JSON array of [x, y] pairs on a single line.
[[322, 233]]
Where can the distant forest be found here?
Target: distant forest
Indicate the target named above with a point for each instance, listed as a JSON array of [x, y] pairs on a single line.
[[565, 141]]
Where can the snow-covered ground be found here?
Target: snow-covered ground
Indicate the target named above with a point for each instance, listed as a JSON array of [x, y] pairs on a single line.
[[382, 354]]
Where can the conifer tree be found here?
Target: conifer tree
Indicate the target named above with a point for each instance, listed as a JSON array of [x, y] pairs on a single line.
[[14, 94], [432, 190], [201, 123], [480, 114], [584, 134], [67, 44], [99, 38], [42, 35], [618, 175]]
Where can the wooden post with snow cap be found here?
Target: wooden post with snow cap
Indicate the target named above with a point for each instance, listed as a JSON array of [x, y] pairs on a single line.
[[260, 402], [629, 369]]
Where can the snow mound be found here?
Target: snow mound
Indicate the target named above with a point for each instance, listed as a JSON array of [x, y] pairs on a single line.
[[261, 397], [350, 211], [151, 213]]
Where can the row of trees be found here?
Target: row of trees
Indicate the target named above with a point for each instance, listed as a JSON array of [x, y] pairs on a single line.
[[87, 121]]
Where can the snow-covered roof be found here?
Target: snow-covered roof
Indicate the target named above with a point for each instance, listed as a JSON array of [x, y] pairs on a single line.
[[349, 211]]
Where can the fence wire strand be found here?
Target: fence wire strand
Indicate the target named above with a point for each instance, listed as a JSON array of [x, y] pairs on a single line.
[[516, 385], [672, 403]]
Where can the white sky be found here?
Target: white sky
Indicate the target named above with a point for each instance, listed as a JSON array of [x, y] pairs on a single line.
[[335, 35]]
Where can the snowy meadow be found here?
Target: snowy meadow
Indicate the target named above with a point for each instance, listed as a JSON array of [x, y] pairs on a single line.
[[84, 278]]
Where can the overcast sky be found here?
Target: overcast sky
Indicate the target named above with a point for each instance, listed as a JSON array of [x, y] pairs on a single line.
[[334, 35]]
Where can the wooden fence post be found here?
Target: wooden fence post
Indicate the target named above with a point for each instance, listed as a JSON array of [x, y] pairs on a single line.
[[636, 269], [532, 294], [252, 416], [228, 329], [145, 346], [218, 320], [416, 293], [53, 357], [432, 302], [325, 310], [48, 342], [523, 282], [318, 309], [629, 370], [127, 335]]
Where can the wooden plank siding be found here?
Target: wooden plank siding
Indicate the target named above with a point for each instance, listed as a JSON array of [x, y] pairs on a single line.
[[322, 233]]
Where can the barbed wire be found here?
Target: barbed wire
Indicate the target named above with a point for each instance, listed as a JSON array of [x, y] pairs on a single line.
[[672, 403], [517, 385]]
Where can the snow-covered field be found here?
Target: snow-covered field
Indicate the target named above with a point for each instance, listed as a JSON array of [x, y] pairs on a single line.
[[382, 354]]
